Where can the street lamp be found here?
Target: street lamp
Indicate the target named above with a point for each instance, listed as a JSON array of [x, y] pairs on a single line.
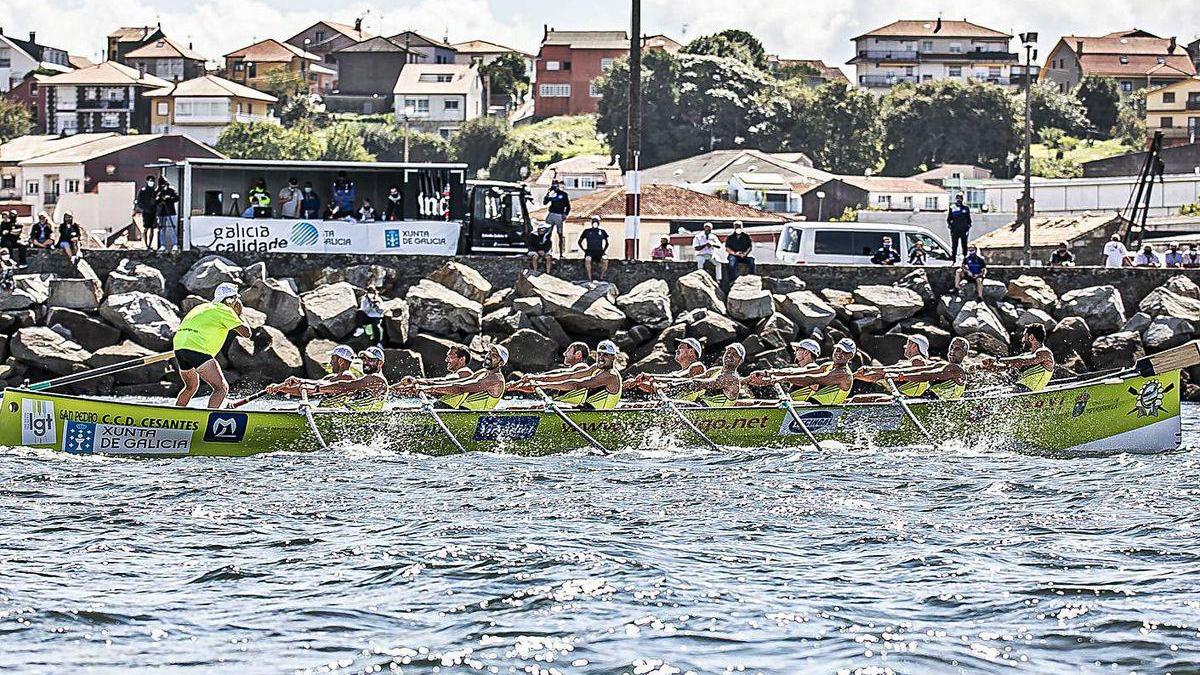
[[1025, 204], [820, 205]]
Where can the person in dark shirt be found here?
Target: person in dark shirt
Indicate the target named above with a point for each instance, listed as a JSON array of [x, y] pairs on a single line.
[[738, 248], [594, 242], [541, 247], [959, 220], [886, 254], [1062, 256], [559, 208], [41, 235], [168, 220], [146, 205], [918, 255], [344, 191], [393, 209], [310, 202], [69, 236], [10, 235], [973, 269]]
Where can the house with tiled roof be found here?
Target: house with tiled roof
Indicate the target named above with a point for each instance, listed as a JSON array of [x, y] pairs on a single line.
[[201, 108], [438, 97], [20, 57], [581, 174], [769, 180], [367, 73], [1174, 110], [1135, 58], [323, 38], [128, 38], [425, 49], [106, 97], [814, 72], [255, 65], [167, 59], [915, 51], [877, 193], [568, 66]]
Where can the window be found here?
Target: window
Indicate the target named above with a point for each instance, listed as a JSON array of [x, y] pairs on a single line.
[[566, 65], [239, 67], [606, 64], [907, 201], [955, 71], [450, 104], [32, 187], [1167, 122], [1169, 97], [419, 106], [110, 120], [594, 90], [71, 185], [927, 45], [955, 48], [933, 249], [1162, 60], [162, 107], [994, 72], [436, 77], [5, 58], [1126, 87], [185, 109], [320, 36], [884, 200], [1124, 59], [553, 65], [554, 90], [931, 203], [850, 242]]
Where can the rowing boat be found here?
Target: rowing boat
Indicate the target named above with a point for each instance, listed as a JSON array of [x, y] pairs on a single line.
[[1134, 411]]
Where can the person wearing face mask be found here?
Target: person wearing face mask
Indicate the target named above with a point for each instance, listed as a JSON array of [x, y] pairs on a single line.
[[366, 212], [69, 235], [310, 203], [290, 198], [886, 254], [10, 235], [393, 208], [7, 269], [41, 235], [168, 219], [146, 205]]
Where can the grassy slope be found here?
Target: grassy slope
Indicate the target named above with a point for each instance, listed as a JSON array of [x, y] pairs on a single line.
[[1082, 153], [562, 137]]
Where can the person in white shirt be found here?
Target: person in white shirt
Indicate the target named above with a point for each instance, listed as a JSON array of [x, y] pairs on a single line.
[[706, 244], [371, 312], [1115, 253], [1147, 258]]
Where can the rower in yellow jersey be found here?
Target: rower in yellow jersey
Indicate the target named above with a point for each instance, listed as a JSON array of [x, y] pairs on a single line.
[[575, 360], [832, 383], [367, 393], [200, 337], [804, 357], [457, 358], [679, 382], [946, 380], [601, 383], [341, 367], [916, 355], [724, 387], [482, 390], [1035, 367]]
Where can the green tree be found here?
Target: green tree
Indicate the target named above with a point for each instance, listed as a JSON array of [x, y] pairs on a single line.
[[513, 162], [478, 141], [665, 135], [253, 140], [15, 120], [840, 127], [386, 143], [344, 144], [1051, 109], [1101, 97], [733, 44], [506, 76], [1131, 121], [949, 122]]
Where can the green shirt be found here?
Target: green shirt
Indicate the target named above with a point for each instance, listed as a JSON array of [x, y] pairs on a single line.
[[205, 328]]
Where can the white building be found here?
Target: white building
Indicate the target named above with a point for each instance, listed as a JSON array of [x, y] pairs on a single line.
[[19, 57], [764, 190], [439, 97], [201, 108], [13, 186], [1072, 195]]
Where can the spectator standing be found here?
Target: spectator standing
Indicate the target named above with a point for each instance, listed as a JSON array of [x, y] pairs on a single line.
[[663, 251], [290, 199], [146, 204], [8, 268], [310, 202], [738, 248], [10, 235], [594, 242], [705, 245], [541, 247], [69, 236], [1115, 253], [168, 218], [41, 235], [1191, 259], [1147, 258], [559, 207], [370, 310], [1062, 256], [959, 221], [259, 199], [918, 255], [886, 254], [393, 209], [366, 212], [1174, 257], [344, 192]]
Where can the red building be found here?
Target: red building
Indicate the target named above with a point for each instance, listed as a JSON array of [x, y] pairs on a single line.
[[32, 95], [567, 67]]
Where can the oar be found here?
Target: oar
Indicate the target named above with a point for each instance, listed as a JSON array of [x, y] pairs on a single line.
[[306, 410], [100, 372], [686, 422], [252, 397], [579, 430], [791, 408], [908, 411], [427, 405]]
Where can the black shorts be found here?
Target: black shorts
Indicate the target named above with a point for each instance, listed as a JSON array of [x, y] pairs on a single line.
[[596, 256], [188, 359]]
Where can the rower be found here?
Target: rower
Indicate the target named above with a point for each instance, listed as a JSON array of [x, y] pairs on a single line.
[[457, 358], [482, 390], [946, 380], [916, 355], [832, 382], [200, 337], [1035, 367], [724, 387], [804, 355], [601, 385], [341, 367], [366, 393], [687, 355], [575, 362]]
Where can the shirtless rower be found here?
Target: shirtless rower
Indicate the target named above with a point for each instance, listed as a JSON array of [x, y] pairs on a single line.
[[916, 355], [575, 361], [341, 361], [600, 385], [482, 390], [367, 392], [724, 387], [1035, 367], [832, 383], [946, 380], [687, 355]]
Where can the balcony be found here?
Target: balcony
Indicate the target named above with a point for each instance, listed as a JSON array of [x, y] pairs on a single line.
[[892, 56], [911, 56], [102, 104], [885, 80], [1192, 104]]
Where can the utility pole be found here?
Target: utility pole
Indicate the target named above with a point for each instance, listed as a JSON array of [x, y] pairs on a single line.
[[1025, 205], [633, 141]]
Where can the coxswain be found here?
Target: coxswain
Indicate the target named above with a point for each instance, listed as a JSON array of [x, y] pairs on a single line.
[[804, 357], [832, 383], [341, 367], [687, 356], [457, 358], [601, 385], [724, 387], [916, 355], [366, 393], [481, 390], [575, 361], [946, 380], [1035, 367], [200, 337]]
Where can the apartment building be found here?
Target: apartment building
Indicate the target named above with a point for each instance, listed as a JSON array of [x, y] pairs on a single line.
[[567, 67], [911, 52], [106, 97], [167, 59], [323, 38], [1175, 111], [424, 49], [367, 73], [19, 57], [438, 97], [128, 38], [256, 65], [1136, 59], [201, 108]]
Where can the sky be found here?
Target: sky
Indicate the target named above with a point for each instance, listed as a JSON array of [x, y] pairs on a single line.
[[789, 28]]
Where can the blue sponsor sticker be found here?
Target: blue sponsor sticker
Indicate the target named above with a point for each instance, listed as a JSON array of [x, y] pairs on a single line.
[[817, 421], [225, 427], [506, 427], [391, 238], [305, 234], [79, 438]]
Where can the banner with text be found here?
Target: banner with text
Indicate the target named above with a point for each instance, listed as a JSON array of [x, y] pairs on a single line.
[[407, 237]]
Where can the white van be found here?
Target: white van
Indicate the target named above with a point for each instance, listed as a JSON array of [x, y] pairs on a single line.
[[805, 243]]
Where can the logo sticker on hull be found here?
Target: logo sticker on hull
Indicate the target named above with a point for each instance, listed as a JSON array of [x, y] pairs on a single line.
[[817, 421], [1149, 401], [506, 427], [37, 422], [86, 438], [225, 427]]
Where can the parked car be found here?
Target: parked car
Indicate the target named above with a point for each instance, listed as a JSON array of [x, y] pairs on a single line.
[[853, 243]]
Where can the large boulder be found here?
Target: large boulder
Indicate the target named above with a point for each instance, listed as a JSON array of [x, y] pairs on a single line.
[[1033, 292], [698, 290], [84, 294], [1118, 350], [316, 357], [129, 277], [439, 310], [29, 290], [254, 273], [807, 310], [1028, 317], [498, 299], [267, 356], [331, 310], [1162, 301], [398, 363], [712, 329], [1166, 332], [785, 285], [397, 321], [462, 280], [1183, 286], [579, 310], [1070, 336], [90, 332], [277, 299], [551, 328], [504, 321], [993, 291], [659, 360], [949, 305], [362, 276], [647, 303], [1138, 323], [776, 332], [127, 351], [748, 300], [977, 317], [529, 351], [1099, 306], [43, 348], [208, 273], [147, 319], [895, 303], [918, 282]]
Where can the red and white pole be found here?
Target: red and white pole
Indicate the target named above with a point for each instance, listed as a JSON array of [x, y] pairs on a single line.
[[633, 220]]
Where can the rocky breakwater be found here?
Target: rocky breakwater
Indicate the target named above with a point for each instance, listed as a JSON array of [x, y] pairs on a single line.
[[53, 326]]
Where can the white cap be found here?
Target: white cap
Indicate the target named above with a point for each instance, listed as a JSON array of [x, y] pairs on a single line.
[[606, 347], [809, 345], [847, 345], [502, 352], [225, 291], [737, 347], [342, 351], [921, 342], [373, 353], [694, 344]]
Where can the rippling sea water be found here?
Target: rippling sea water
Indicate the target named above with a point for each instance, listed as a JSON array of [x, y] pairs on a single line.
[[663, 561]]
